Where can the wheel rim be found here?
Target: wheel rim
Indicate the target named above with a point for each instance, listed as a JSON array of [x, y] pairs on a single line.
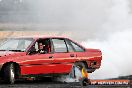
[[78, 73], [12, 75]]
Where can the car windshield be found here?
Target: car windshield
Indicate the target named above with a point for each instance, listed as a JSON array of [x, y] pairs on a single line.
[[15, 44]]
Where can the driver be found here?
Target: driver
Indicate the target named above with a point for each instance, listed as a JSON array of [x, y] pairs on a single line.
[[41, 48]]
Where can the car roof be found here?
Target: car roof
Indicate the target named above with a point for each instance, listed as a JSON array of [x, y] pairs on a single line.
[[38, 36]]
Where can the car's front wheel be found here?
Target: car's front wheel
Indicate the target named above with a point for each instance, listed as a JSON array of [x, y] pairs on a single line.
[[9, 73]]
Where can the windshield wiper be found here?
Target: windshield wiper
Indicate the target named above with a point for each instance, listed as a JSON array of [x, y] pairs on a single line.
[[16, 50]]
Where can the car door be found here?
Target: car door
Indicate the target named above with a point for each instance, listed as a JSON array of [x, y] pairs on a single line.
[[62, 58], [37, 63], [79, 51]]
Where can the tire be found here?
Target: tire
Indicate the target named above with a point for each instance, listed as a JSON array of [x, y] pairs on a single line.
[[9, 73], [85, 82]]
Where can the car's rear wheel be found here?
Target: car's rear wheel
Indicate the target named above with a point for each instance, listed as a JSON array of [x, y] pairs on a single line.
[[9, 73], [80, 73]]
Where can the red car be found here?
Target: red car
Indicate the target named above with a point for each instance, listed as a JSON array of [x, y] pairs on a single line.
[[47, 56]]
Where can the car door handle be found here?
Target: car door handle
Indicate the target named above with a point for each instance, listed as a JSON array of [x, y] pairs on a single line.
[[50, 56], [71, 55]]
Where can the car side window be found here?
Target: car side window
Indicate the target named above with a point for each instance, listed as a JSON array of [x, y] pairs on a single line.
[[77, 47], [59, 45], [42, 46]]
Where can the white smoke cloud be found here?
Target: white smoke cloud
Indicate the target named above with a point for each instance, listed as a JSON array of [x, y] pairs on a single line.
[[116, 47], [117, 57]]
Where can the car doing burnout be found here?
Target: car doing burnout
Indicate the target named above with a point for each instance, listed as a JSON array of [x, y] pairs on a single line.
[[21, 57]]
